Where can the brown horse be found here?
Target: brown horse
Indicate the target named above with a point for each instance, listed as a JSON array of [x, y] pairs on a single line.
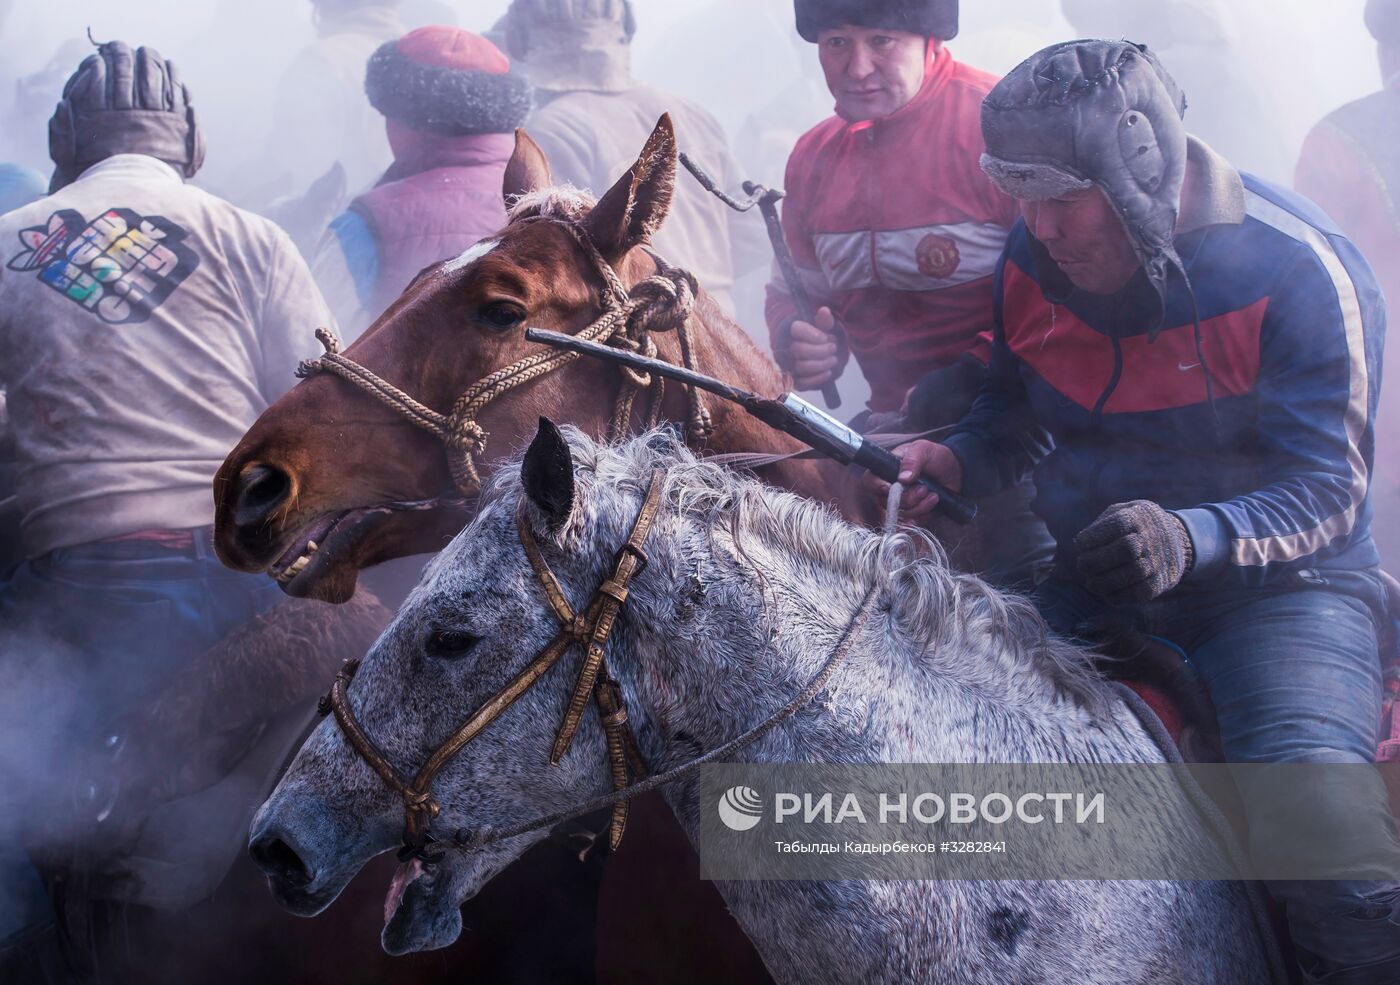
[[310, 479]]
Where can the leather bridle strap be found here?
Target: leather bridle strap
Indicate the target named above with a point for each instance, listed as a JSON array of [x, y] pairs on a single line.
[[591, 631], [662, 302], [475, 840]]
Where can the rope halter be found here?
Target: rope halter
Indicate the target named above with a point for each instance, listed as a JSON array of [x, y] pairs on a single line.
[[662, 302]]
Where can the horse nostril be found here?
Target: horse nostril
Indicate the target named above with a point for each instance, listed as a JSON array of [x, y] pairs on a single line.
[[262, 489], [280, 861]]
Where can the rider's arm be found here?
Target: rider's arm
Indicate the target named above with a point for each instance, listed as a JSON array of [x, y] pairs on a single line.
[[998, 442], [346, 268], [1320, 352], [780, 311]]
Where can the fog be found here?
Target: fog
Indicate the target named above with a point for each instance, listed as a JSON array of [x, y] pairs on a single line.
[[1258, 75], [732, 56]]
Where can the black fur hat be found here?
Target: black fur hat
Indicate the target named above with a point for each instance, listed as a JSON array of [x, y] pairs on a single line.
[[449, 81], [931, 18]]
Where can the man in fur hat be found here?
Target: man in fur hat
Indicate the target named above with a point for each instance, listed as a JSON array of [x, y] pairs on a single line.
[[896, 231], [1204, 350]]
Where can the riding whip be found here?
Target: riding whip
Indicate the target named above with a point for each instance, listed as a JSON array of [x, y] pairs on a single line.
[[789, 413]]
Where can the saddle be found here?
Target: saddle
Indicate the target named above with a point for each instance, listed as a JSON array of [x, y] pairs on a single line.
[[1162, 675]]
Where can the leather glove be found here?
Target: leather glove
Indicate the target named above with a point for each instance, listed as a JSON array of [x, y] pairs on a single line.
[[1134, 552]]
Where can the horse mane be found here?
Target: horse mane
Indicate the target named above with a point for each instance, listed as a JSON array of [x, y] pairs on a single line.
[[928, 603]]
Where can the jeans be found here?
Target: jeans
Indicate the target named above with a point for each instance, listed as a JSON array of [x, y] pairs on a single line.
[[1295, 677], [88, 635]]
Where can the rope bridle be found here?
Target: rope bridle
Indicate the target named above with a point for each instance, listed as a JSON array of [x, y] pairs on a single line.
[[662, 302], [589, 630]]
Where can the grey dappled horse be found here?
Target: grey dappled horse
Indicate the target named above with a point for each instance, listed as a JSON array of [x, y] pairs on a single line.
[[945, 669]]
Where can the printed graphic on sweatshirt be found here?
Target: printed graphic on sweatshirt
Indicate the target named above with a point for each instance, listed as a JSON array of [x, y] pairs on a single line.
[[121, 266]]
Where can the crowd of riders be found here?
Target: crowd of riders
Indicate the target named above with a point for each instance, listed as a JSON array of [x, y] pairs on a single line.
[[1160, 375]]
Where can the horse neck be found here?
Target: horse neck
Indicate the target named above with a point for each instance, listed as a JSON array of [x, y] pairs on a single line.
[[713, 647]]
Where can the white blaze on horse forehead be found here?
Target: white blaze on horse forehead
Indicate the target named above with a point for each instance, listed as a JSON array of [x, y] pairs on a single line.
[[471, 255]]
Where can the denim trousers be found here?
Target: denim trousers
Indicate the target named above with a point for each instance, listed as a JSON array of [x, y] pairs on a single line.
[[1295, 678], [88, 635]]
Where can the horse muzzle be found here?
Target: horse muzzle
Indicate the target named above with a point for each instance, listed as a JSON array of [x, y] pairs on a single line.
[[296, 847]]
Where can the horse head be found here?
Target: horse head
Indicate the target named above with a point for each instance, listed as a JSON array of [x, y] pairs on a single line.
[[461, 640], [329, 480]]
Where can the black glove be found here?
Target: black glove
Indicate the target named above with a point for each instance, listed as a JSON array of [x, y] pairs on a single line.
[[945, 395], [1134, 552]]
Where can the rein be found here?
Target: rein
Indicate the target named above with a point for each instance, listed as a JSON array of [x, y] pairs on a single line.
[[662, 302]]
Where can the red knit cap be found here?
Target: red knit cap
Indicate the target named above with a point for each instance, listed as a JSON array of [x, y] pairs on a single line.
[[448, 47]]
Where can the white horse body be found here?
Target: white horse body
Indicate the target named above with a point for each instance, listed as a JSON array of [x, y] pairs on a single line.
[[747, 592]]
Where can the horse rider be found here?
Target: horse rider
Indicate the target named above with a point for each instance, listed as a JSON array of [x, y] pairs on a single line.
[[451, 105], [896, 231], [1350, 165], [324, 119], [1203, 349], [591, 116], [144, 325]]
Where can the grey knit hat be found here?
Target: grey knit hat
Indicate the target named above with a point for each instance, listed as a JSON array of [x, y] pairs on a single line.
[[1102, 113], [123, 101]]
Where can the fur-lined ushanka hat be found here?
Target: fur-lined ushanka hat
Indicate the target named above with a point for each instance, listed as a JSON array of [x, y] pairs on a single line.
[[1087, 113], [449, 81]]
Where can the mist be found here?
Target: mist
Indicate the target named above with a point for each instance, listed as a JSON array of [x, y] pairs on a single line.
[[1258, 76], [731, 56]]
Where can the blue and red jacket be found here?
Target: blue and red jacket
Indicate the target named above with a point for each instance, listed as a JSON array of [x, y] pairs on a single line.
[[1269, 468]]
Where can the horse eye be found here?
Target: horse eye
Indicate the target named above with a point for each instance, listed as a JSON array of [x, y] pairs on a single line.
[[449, 643], [501, 315]]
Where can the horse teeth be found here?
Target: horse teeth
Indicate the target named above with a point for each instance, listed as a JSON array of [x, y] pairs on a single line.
[[312, 547]]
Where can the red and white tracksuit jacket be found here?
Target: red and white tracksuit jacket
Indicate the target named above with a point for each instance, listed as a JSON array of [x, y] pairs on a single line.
[[894, 226]]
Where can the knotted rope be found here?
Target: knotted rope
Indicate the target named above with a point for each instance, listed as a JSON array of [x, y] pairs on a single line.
[[662, 302]]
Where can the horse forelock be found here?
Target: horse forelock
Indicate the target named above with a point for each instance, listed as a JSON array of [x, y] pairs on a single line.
[[929, 605], [560, 202]]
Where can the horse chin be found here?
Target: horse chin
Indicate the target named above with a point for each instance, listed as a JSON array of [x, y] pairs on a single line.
[[422, 911], [361, 538], [334, 584]]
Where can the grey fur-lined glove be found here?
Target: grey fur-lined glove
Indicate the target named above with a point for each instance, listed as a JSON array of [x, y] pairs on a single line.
[[1134, 552]]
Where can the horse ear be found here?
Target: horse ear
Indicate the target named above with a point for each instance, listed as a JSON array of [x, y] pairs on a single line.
[[548, 475], [527, 171], [635, 207]]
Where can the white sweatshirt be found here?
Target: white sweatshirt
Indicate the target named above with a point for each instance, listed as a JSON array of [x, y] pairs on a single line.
[[144, 325]]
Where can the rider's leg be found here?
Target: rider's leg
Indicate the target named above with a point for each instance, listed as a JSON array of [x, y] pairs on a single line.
[[86, 634], [1295, 679], [1066, 606]]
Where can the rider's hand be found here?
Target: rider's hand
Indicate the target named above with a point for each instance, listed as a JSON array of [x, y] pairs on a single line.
[[814, 352], [919, 458], [1134, 552]]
